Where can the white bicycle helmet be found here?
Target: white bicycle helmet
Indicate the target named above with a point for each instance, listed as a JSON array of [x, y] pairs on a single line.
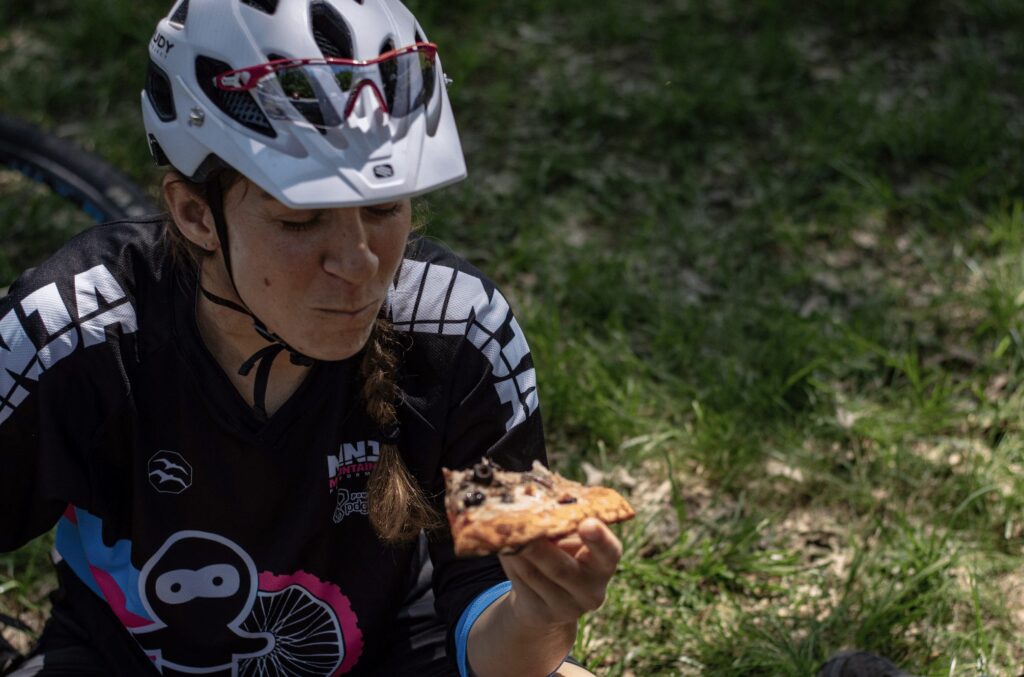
[[376, 130]]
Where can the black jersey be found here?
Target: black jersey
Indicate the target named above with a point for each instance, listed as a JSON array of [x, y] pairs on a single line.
[[223, 543]]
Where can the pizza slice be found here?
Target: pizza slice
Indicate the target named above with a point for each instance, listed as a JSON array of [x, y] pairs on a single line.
[[494, 510]]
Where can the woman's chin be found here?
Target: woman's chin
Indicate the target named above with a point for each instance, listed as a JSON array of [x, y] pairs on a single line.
[[333, 347]]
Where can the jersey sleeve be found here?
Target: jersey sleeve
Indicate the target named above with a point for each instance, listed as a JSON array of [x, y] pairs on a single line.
[[480, 425], [60, 326], [492, 408]]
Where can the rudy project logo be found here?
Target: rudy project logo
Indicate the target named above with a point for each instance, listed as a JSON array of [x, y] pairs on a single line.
[[162, 44], [352, 460], [169, 472]]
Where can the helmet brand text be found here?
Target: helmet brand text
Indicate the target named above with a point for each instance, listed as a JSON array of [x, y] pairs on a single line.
[[162, 44]]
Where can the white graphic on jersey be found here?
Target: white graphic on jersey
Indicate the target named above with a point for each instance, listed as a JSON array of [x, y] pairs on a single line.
[[199, 588], [101, 303], [184, 585], [350, 502], [91, 286], [352, 460], [441, 300], [169, 472], [214, 614]]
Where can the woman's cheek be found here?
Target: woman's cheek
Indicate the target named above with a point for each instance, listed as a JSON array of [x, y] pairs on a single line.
[[392, 249]]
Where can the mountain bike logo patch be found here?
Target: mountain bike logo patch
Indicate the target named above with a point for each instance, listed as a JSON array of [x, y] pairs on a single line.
[[354, 459], [169, 472]]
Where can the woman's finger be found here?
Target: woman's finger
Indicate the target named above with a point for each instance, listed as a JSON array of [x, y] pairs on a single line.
[[555, 601], [603, 549], [570, 544], [586, 587], [522, 587]]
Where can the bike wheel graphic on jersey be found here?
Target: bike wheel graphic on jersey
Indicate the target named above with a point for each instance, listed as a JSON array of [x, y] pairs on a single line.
[[315, 631]]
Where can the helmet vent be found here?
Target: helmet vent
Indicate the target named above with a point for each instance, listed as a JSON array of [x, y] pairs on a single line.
[[239, 106], [332, 34], [180, 14], [158, 90], [268, 6]]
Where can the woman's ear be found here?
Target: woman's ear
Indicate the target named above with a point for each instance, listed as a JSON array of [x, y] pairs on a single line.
[[190, 212]]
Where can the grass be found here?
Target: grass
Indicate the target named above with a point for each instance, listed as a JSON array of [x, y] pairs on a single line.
[[768, 256]]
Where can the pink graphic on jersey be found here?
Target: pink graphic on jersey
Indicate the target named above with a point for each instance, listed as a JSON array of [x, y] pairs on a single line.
[[116, 599], [330, 594]]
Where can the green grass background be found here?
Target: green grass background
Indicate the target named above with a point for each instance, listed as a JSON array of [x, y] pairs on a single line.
[[768, 257]]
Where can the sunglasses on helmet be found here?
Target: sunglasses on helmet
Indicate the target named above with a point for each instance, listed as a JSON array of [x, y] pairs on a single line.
[[325, 90]]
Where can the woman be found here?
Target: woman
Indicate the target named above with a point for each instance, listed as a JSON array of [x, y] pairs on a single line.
[[222, 509]]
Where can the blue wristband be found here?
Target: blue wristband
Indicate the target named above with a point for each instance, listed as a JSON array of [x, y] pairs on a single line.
[[469, 616]]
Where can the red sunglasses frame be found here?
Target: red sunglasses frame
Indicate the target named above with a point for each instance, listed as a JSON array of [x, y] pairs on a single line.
[[245, 79]]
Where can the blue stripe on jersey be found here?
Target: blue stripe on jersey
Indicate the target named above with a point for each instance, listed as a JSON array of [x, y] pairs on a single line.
[[69, 545], [469, 616], [82, 547]]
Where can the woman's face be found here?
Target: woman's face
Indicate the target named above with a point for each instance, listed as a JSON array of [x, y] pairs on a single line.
[[317, 278]]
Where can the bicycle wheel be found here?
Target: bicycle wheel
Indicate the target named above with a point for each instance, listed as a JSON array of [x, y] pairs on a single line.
[[75, 174], [51, 189]]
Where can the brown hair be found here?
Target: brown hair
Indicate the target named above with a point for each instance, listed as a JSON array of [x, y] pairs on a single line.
[[398, 508]]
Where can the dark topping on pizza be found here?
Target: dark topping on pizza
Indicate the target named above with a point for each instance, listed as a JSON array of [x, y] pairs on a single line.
[[506, 497], [473, 498], [482, 474], [566, 499]]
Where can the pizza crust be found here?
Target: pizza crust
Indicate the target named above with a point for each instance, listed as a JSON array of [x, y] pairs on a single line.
[[517, 508]]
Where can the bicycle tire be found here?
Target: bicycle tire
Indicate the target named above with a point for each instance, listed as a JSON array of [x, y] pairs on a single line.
[[72, 172]]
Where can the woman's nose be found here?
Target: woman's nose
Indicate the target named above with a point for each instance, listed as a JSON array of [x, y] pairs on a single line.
[[347, 252]]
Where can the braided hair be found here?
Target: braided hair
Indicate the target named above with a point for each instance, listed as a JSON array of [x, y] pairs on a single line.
[[398, 507]]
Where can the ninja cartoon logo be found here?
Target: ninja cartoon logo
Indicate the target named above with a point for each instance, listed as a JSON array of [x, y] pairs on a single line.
[[169, 472], [199, 588]]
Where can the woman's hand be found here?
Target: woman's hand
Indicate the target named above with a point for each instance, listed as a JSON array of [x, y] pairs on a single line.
[[554, 583], [529, 630]]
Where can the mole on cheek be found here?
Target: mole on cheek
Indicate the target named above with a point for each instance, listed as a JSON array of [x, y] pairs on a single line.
[[266, 281]]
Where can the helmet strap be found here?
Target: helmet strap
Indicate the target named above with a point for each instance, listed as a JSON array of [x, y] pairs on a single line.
[[262, 359]]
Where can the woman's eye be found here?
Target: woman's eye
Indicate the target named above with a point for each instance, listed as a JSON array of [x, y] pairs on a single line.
[[384, 211], [300, 225]]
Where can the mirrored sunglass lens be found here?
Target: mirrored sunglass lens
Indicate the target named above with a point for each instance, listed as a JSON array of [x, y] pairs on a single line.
[[429, 78], [413, 82], [389, 76], [344, 77], [300, 87], [295, 84], [406, 83]]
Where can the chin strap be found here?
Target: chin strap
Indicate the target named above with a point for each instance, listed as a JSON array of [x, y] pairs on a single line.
[[263, 358]]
